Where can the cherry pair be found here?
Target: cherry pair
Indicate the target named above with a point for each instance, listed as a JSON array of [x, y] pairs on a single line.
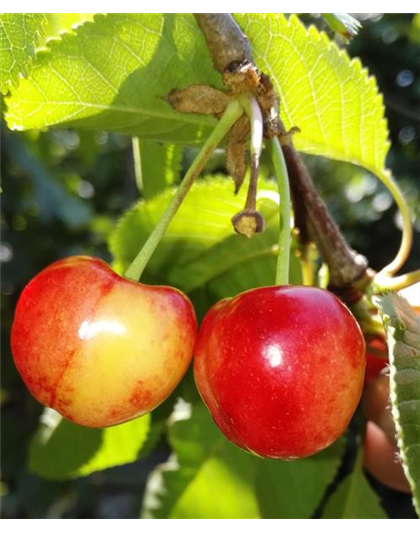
[[281, 369]]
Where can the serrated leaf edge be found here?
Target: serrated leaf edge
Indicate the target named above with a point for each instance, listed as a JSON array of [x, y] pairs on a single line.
[[392, 341], [14, 81], [362, 73]]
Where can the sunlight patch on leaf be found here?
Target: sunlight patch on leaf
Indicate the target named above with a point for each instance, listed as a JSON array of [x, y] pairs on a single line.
[[207, 476], [19, 35], [63, 450], [114, 74]]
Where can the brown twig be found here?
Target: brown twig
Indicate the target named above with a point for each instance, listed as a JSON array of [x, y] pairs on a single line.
[[348, 270], [225, 40]]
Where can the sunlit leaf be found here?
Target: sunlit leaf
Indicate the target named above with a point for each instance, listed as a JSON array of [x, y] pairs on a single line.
[[115, 72], [206, 477], [62, 450], [59, 23], [328, 96], [20, 33]]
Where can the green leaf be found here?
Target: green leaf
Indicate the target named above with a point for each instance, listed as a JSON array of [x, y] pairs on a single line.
[[62, 450], [328, 96], [254, 264], [19, 35], [294, 489], [59, 23], [354, 498], [200, 246], [114, 73], [202, 220], [402, 327], [207, 477]]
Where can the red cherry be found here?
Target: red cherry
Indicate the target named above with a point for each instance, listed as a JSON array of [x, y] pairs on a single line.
[[98, 348], [281, 369]]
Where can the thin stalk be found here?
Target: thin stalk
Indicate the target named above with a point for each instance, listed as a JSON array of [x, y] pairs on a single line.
[[280, 169], [407, 230], [252, 109], [232, 113], [387, 283], [249, 221]]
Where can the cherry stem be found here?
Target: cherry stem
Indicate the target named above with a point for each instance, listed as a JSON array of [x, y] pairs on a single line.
[[233, 112], [280, 170], [387, 283], [252, 109], [407, 235], [249, 221]]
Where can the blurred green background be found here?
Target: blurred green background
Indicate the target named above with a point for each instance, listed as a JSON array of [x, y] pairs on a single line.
[[62, 193]]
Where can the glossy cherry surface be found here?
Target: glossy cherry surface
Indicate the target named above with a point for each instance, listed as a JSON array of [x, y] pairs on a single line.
[[98, 348], [281, 369]]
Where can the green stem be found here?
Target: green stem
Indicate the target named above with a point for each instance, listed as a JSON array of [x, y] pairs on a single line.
[[386, 283], [137, 163], [249, 221], [407, 230], [232, 113], [283, 259], [252, 109]]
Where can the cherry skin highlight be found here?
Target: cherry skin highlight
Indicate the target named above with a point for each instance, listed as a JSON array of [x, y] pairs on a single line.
[[281, 369], [98, 348]]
